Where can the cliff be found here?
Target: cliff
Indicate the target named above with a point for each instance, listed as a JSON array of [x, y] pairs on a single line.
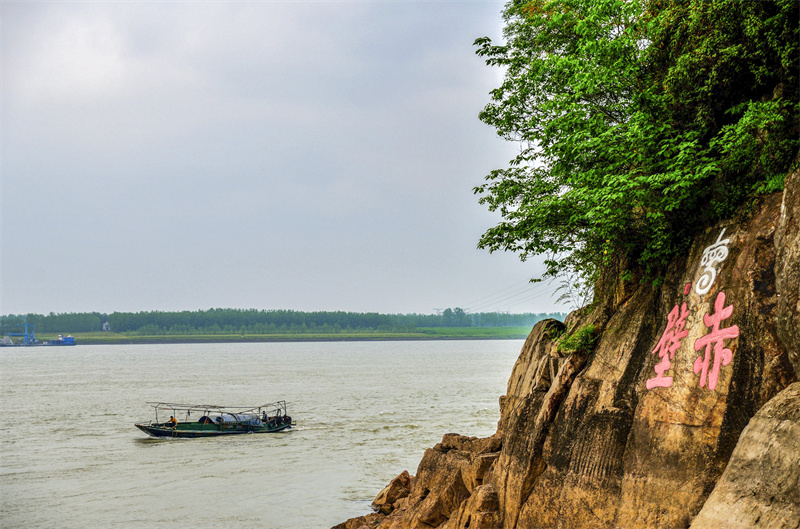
[[669, 406]]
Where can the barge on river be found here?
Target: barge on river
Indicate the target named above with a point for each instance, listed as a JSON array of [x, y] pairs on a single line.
[[205, 420]]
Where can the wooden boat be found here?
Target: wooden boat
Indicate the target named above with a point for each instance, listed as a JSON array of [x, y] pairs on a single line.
[[205, 420]]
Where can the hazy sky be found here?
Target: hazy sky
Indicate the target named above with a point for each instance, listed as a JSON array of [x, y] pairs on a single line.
[[270, 155]]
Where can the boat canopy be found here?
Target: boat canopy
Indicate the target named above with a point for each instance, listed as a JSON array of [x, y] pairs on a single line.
[[251, 415], [241, 418]]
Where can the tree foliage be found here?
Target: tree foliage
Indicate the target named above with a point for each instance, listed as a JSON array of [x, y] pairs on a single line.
[[639, 123], [252, 321], [53, 322]]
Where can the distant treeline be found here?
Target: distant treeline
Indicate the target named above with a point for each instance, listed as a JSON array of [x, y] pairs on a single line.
[[251, 321], [53, 323]]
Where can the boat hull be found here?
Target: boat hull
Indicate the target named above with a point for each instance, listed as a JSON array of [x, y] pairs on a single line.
[[194, 430]]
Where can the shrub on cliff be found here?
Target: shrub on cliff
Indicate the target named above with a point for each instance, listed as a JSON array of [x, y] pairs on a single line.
[[640, 122]]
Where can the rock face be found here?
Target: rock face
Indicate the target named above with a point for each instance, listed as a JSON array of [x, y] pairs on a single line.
[[396, 490], [628, 413], [760, 484]]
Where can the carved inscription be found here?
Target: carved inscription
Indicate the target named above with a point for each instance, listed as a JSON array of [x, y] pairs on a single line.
[[714, 353], [716, 253], [715, 341], [669, 343]]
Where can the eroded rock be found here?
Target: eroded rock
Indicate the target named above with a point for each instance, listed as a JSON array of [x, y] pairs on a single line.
[[480, 511], [397, 489], [759, 488], [787, 270], [635, 429]]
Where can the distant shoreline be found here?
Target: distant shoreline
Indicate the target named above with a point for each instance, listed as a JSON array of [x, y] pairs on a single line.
[[443, 333]]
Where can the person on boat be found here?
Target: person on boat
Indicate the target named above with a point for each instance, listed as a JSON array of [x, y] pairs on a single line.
[[173, 422]]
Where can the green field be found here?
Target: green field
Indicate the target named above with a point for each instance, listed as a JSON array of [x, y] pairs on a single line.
[[426, 333]]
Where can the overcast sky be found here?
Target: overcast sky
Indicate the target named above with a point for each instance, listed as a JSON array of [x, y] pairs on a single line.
[[269, 155]]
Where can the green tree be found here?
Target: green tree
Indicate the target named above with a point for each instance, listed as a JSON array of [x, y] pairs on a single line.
[[639, 123]]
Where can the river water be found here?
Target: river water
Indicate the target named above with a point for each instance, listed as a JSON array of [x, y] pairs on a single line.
[[71, 457]]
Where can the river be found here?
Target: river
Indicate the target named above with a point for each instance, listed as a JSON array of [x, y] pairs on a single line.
[[71, 457]]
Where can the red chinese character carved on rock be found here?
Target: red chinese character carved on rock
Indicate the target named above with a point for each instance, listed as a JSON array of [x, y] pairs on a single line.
[[716, 339], [669, 343]]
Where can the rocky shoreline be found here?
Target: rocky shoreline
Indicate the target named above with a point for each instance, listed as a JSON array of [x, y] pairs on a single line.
[[660, 406]]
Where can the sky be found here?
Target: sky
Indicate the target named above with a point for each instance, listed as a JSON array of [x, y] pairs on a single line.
[[272, 155]]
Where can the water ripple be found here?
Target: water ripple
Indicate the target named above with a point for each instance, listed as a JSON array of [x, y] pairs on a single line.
[[365, 412]]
